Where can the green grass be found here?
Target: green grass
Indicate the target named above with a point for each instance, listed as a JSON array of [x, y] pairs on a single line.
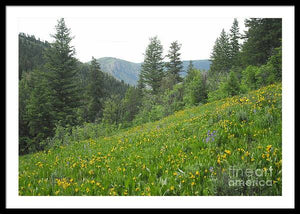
[[173, 156]]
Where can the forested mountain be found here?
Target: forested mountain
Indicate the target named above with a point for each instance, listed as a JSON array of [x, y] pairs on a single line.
[[129, 71], [30, 52], [31, 56]]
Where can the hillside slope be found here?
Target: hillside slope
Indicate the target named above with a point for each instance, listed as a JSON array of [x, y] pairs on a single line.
[[120, 69], [205, 150], [30, 53]]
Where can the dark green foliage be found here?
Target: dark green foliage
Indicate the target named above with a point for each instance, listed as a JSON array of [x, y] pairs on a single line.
[[168, 82], [95, 91], [113, 87], [39, 113], [262, 37], [228, 87], [190, 67], [61, 75], [131, 103], [195, 91], [275, 61], [254, 77], [174, 66], [25, 87], [234, 37], [232, 85], [249, 79], [30, 53], [173, 99], [112, 110], [152, 70], [221, 55], [58, 94]]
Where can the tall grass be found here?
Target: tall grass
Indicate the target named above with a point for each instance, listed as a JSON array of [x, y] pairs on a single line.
[[207, 150]]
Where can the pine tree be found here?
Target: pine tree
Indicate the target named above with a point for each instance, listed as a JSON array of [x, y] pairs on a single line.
[[234, 37], [39, 112], [61, 74], [220, 57], [195, 87], [261, 39], [95, 91], [174, 66], [24, 96], [152, 70], [131, 102], [190, 67]]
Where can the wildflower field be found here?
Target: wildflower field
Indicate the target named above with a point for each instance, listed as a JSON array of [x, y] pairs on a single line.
[[227, 147]]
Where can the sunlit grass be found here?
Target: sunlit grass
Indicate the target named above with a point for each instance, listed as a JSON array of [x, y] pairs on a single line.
[[188, 153]]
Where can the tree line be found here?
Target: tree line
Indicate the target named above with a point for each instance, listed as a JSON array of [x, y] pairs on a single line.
[[61, 92]]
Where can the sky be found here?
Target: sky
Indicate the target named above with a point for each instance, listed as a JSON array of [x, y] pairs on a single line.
[[124, 32]]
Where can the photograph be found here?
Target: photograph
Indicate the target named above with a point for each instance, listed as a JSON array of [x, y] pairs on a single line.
[[149, 101]]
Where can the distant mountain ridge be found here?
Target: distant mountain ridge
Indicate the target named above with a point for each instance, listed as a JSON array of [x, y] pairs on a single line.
[[129, 71], [120, 69]]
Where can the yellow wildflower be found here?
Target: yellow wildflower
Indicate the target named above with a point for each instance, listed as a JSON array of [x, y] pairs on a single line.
[[228, 152]]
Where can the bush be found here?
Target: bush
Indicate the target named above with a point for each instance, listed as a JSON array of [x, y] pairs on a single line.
[[173, 99], [265, 75], [195, 91], [144, 116], [67, 135], [249, 77], [232, 85], [218, 94]]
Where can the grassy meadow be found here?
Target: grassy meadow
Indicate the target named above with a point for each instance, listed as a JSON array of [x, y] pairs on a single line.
[[210, 149]]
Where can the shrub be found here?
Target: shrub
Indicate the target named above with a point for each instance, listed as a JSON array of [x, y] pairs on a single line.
[[232, 85], [249, 77]]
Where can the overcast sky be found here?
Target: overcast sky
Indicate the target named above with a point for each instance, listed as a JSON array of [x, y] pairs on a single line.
[[125, 33]]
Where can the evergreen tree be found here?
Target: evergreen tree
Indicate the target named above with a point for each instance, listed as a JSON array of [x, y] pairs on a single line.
[[152, 70], [112, 110], [30, 53], [232, 85], [220, 61], [195, 88], [190, 67], [174, 66], [234, 37], [261, 38], [220, 57], [24, 95], [61, 74], [39, 112], [95, 91], [131, 102]]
